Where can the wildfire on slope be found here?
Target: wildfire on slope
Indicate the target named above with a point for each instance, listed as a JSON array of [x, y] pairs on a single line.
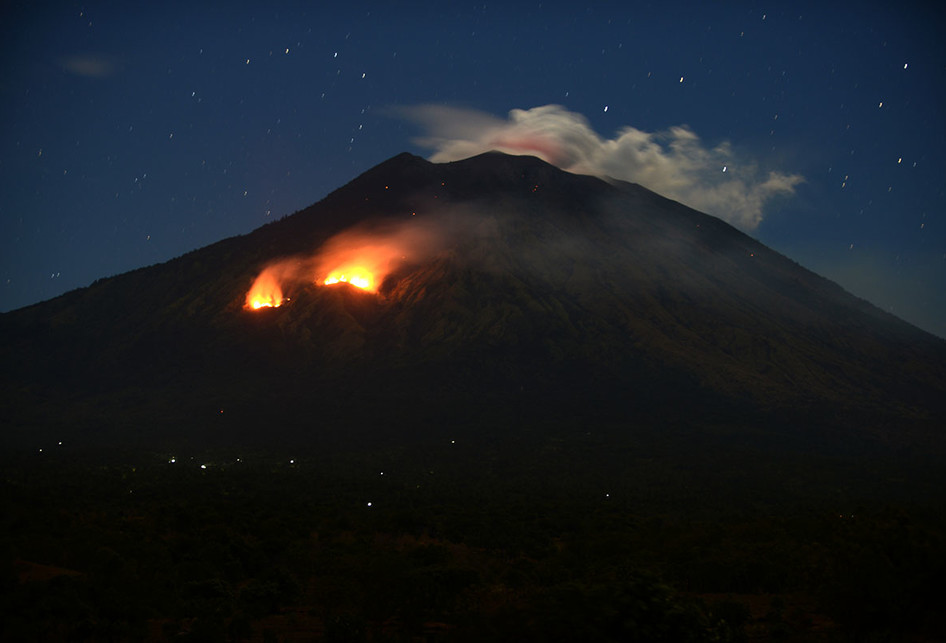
[[361, 261], [265, 291], [361, 257], [355, 277]]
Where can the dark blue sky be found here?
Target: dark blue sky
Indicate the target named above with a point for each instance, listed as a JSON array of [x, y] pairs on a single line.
[[131, 136]]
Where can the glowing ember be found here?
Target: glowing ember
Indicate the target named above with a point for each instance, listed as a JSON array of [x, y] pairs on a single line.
[[265, 292]]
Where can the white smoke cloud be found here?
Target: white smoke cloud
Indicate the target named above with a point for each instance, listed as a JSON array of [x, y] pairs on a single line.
[[674, 162]]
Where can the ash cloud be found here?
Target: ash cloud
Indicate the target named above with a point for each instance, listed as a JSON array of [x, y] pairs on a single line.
[[673, 162]]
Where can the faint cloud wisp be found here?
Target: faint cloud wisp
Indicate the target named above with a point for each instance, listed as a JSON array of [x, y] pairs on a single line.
[[674, 162], [90, 65]]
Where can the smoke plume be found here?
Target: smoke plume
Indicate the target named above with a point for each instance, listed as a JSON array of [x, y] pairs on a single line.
[[362, 256], [675, 162]]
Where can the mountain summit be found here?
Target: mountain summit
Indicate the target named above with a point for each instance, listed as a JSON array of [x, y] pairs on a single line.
[[499, 292]]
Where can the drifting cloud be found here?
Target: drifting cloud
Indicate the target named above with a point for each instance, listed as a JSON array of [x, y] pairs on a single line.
[[90, 65], [675, 162]]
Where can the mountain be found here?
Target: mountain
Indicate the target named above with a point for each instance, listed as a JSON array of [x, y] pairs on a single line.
[[525, 296], [487, 400]]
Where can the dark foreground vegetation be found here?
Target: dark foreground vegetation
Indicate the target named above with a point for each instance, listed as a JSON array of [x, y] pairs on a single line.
[[552, 539]]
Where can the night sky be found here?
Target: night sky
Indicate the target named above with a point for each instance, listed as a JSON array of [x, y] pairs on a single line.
[[130, 136]]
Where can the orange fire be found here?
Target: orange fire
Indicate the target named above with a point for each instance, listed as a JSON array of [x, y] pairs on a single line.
[[265, 292], [360, 260], [362, 256], [355, 276]]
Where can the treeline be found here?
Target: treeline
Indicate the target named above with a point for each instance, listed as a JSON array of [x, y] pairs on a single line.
[[433, 545]]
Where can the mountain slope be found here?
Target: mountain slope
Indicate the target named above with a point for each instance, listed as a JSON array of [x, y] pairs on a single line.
[[546, 295]]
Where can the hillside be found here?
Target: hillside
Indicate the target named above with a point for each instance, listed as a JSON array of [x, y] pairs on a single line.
[[482, 400], [542, 292]]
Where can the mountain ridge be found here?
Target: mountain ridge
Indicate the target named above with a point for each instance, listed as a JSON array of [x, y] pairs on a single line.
[[564, 406], [552, 282]]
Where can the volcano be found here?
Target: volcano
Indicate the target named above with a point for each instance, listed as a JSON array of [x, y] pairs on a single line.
[[512, 295], [480, 400]]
